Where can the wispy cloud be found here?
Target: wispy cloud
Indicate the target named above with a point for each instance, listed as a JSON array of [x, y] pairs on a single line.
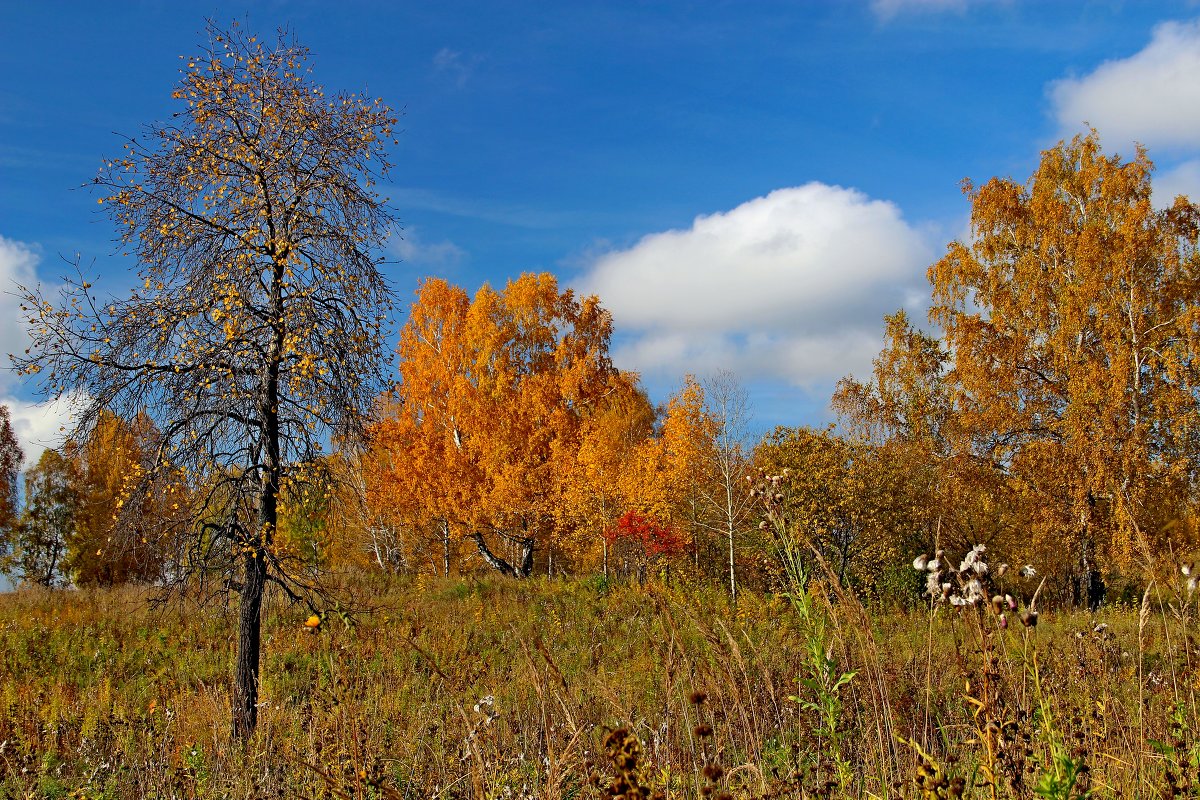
[[791, 286], [413, 251], [889, 9], [500, 213], [454, 66]]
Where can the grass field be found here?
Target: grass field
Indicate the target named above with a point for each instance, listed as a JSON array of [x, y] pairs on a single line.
[[553, 688]]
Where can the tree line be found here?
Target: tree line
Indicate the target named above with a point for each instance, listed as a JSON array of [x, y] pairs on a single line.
[[1054, 419]]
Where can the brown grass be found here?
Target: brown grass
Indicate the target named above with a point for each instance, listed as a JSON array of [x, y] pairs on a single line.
[[501, 689]]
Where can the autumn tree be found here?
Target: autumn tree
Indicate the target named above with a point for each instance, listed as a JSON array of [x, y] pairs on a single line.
[[1073, 321], [416, 473], [107, 547], [254, 329], [47, 524], [727, 463], [673, 469], [690, 474], [843, 497], [611, 475], [643, 541], [905, 417], [11, 457], [482, 434], [908, 399], [322, 515]]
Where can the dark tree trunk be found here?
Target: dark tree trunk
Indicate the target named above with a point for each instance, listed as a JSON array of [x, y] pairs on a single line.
[[502, 566], [249, 644], [245, 699]]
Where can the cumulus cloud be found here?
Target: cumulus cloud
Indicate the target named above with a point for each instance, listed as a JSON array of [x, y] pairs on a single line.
[[410, 249], [36, 424], [18, 266], [791, 286], [40, 426], [1151, 97]]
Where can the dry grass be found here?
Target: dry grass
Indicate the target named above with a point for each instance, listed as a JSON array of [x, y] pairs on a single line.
[[552, 689]]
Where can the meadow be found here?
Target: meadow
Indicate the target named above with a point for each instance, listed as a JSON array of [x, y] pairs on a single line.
[[495, 688]]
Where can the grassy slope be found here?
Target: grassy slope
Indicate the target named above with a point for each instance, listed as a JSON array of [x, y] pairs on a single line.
[[102, 695]]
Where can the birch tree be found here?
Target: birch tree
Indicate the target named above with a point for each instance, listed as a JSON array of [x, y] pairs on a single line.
[[1073, 318]]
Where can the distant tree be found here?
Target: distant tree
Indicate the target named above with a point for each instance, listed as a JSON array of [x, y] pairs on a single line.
[[11, 457], [255, 329], [608, 480], [643, 541], [904, 416], [846, 498], [667, 479], [908, 400], [47, 525], [727, 407], [109, 544], [691, 475]]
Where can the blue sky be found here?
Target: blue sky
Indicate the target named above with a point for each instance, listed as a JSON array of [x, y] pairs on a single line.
[[747, 185]]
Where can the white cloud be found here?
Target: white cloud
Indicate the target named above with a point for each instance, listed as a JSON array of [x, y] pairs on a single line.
[[39, 426], [409, 248], [36, 424], [790, 286], [1181, 179], [18, 266], [1152, 97]]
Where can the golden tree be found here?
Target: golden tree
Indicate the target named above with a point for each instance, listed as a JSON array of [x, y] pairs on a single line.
[[904, 417], [482, 435], [107, 547], [608, 477], [849, 500], [692, 474], [254, 331], [1073, 318], [908, 400]]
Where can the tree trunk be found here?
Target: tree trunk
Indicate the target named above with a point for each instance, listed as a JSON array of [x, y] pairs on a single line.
[[249, 644], [730, 516], [245, 698], [732, 573], [502, 566]]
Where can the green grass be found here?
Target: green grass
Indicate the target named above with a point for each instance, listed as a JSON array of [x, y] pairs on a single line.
[[103, 695]]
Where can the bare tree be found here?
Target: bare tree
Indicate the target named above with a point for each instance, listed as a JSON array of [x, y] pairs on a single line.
[[725, 492], [254, 334]]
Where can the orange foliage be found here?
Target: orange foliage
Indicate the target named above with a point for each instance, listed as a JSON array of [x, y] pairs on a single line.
[[1073, 321], [507, 409]]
